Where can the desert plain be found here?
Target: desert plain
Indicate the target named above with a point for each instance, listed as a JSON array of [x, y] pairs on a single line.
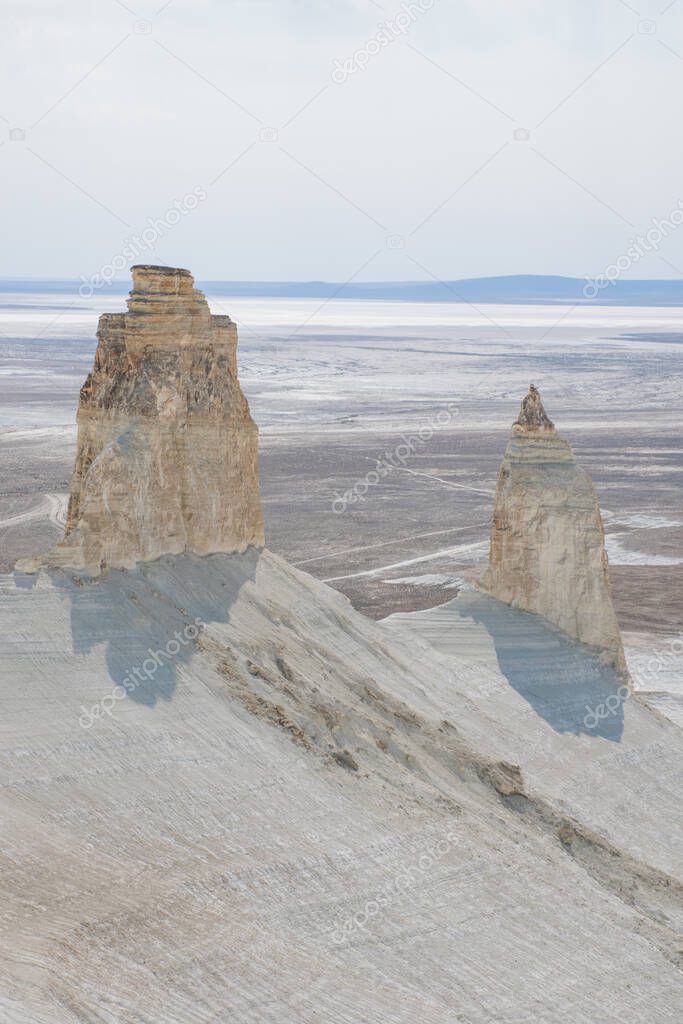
[[382, 428]]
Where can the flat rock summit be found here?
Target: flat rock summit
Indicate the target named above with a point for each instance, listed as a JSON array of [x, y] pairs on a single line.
[[167, 452], [226, 796]]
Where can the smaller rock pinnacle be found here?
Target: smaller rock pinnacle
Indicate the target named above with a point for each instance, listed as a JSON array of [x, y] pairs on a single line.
[[532, 415], [547, 553]]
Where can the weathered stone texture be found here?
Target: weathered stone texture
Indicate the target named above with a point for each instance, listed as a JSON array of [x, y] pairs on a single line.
[[547, 552], [167, 456]]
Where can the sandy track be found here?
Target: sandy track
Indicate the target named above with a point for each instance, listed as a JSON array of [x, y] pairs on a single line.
[[446, 483], [59, 504], [50, 506], [479, 548]]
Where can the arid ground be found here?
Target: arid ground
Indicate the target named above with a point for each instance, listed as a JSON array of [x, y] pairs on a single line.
[[382, 430]]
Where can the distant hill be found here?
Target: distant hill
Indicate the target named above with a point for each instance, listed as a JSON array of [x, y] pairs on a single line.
[[520, 288], [528, 289]]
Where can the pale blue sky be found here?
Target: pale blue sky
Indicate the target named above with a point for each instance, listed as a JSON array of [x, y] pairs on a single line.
[[126, 110]]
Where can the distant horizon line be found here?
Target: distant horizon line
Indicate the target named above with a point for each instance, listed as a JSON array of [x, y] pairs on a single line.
[[359, 284], [503, 289]]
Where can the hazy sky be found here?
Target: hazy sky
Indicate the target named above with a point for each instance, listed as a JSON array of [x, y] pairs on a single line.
[[317, 145]]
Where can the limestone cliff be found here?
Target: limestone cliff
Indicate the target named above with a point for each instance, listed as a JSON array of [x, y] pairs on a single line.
[[547, 552], [167, 453]]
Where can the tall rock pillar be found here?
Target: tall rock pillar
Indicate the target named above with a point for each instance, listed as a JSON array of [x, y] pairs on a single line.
[[547, 552], [167, 455]]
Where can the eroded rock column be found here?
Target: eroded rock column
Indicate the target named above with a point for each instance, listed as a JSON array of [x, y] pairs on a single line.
[[547, 552], [167, 456]]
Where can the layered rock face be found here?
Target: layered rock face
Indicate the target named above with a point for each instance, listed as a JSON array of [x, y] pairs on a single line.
[[167, 457], [547, 552]]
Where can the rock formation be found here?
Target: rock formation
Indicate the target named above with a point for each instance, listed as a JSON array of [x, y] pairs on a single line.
[[547, 552], [167, 453]]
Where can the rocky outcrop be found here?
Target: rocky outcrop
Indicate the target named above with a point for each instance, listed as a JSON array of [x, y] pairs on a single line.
[[167, 453], [547, 552]]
